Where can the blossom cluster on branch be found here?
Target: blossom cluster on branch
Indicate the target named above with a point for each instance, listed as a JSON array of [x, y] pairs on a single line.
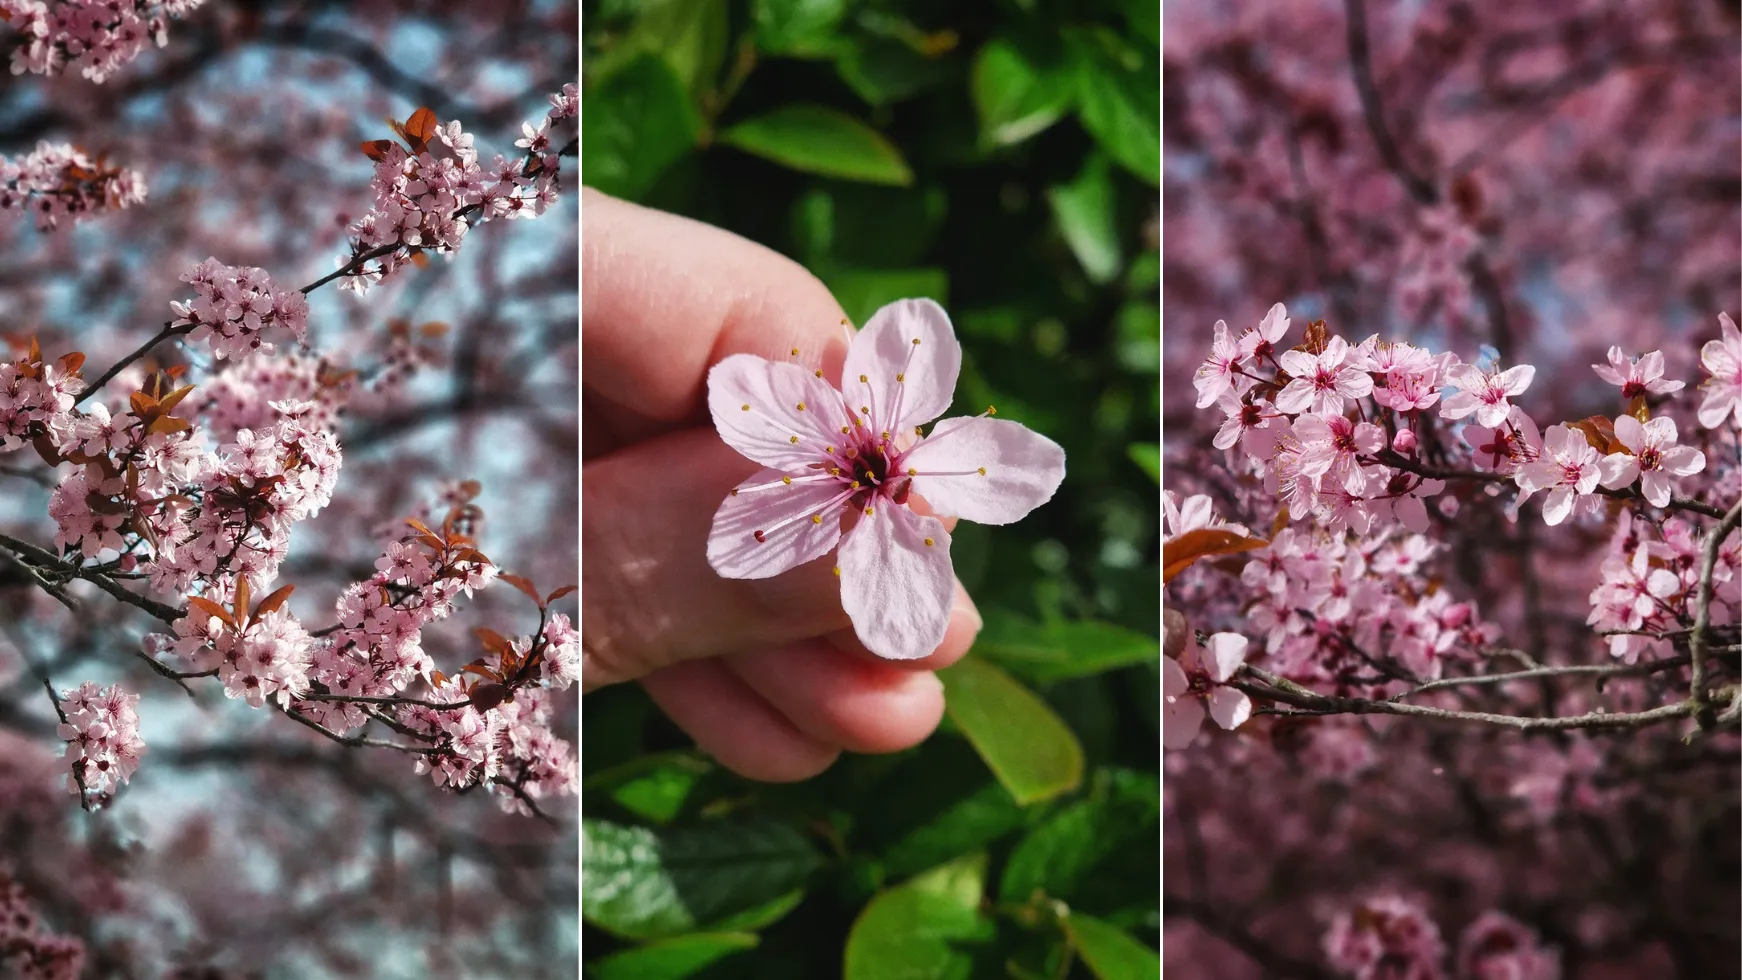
[[59, 182], [1392, 938], [1341, 447], [198, 497], [96, 37]]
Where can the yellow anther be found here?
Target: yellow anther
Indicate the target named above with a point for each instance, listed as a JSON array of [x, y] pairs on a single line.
[[834, 471], [819, 374], [795, 352], [991, 409], [816, 518], [863, 379], [929, 542], [912, 472], [916, 341], [867, 512], [845, 430], [864, 410], [982, 471], [734, 491], [829, 449], [786, 480], [855, 484], [801, 406], [793, 440], [884, 436], [837, 571], [900, 378], [745, 407]]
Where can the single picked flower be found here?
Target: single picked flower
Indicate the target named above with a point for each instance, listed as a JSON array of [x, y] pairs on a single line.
[[843, 467]]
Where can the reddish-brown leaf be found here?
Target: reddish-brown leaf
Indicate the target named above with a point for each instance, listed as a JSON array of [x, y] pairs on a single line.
[[524, 586], [376, 149], [1638, 409], [211, 608], [422, 125], [493, 641], [487, 696], [1180, 553], [70, 363], [168, 403], [242, 597], [479, 669], [558, 594], [273, 601], [437, 678], [141, 403], [1599, 432], [168, 423]]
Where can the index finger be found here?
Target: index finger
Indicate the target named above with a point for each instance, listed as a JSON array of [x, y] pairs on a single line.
[[664, 297]]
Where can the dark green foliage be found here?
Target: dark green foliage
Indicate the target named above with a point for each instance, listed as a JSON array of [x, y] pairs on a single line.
[[1000, 157]]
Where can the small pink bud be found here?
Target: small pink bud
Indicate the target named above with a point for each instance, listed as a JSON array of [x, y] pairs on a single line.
[[1404, 441], [128, 562], [1448, 507], [1455, 616]]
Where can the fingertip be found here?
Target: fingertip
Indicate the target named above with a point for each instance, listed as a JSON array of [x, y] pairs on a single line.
[[736, 726], [836, 698]]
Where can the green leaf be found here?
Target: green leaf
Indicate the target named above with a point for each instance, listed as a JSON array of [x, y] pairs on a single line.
[[634, 125], [820, 140], [862, 292], [1119, 101], [647, 884], [1145, 273], [1087, 214], [884, 72], [1021, 739], [671, 959], [911, 932], [658, 794], [1137, 337], [1014, 95], [1057, 857], [1147, 455], [798, 28], [1061, 650], [689, 35], [1109, 952], [968, 824]]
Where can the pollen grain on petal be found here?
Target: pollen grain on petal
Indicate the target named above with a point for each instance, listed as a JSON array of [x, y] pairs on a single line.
[[786, 480], [816, 518], [745, 408], [801, 406], [929, 542], [864, 379], [793, 440]]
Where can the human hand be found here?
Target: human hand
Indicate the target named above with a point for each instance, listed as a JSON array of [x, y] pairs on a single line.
[[766, 675]]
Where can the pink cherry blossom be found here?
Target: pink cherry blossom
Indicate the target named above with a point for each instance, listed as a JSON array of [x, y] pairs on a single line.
[[1197, 679], [1722, 359], [1333, 445], [1653, 458], [1264, 341], [1569, 469], [102, 735], [1484, 394], [1249, 425], [1194, 512], [1636, 378], [1499, 947], [1220, 371], [842, 465], [1321, 382], [1504, 448]]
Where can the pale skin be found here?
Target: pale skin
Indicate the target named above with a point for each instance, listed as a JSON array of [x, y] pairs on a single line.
[[766, 675]]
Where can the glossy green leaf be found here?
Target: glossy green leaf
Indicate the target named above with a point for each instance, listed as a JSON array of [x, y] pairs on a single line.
[[1137, 337], [968, 824], [820, 140], [915, 931], [671, 959], [658, 794], [798, 28], [1119, 101], [634, 125], [1058, 856], [1058, 651], [884, 72], [1147, 455], [1110, 953], [1087, 213], [689, 35], [1015, 95], [1022, 740], [645, 884]]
